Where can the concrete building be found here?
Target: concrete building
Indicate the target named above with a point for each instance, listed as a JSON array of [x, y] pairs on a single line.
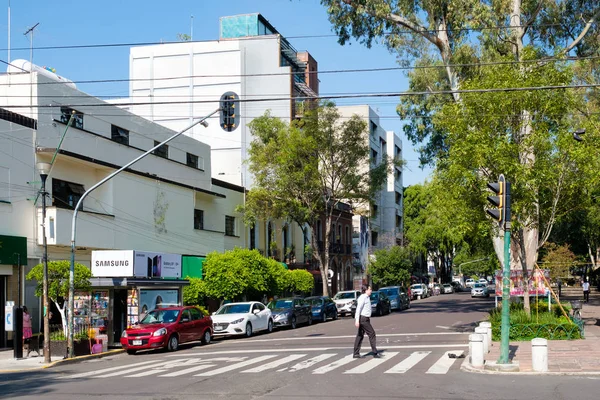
[[166, 203], [384, 223]]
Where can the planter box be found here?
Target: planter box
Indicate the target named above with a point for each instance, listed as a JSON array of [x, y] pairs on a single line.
[[58, 348]]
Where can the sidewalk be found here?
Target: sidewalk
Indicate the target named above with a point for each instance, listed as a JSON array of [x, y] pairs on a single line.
[[565, 357], [9, 364]]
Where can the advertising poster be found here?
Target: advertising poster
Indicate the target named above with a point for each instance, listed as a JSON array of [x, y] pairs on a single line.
[[157, 265], [151, 299], [112, 263], [517, 283]]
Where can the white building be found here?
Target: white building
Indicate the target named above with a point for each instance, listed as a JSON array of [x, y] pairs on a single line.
[[385, 223], [174, 83]]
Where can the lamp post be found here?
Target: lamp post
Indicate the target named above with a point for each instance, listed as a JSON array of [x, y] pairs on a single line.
[[44, 169], [71, 353]]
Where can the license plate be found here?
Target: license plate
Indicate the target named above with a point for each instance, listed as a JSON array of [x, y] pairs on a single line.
[[137, 342], [218, 328]]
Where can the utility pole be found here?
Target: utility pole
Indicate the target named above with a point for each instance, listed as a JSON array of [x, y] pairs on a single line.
[[30, 30]]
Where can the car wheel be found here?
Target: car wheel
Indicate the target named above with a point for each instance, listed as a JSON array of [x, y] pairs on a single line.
[[293, 322], [206, 338], [248, 329], [309, 319], [335, 315], [324, 317], [270, 326], [131, 352], [173, 343]]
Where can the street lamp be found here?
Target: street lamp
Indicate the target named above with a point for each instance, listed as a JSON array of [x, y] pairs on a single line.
[[577, 134], [71, 310], [44, 169]]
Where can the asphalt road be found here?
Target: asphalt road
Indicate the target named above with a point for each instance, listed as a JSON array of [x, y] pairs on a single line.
[[311, 362]]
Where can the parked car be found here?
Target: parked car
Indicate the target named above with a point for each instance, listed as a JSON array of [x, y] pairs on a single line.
[[380, 304], [398, 295], [447, 288], [167, 328], [480, 290], [437, 289], [457, 286], [242, 319], [419, 291], [469, 282], [483, 280], [290, 312], [346, 301], [322, 308]]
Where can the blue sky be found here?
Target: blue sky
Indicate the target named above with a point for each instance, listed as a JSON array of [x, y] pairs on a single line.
[[69, 22]]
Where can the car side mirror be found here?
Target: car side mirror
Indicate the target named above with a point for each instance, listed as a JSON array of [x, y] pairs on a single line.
[[256, 311]]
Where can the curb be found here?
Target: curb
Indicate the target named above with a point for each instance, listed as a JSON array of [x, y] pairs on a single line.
[[66, 361], [466, 366]]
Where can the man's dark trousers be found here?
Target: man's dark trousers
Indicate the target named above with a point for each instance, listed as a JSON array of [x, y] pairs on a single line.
[[365, 327]]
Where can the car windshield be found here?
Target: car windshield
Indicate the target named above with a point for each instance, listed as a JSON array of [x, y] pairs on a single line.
[[374, 296], [344, 295], [280, 304], [315, 302], [416, 286], [390, 291], [480, 285], [160, 316], [234, 309], [447, 285]]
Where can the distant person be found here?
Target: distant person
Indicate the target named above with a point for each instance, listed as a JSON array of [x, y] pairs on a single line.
[[363, 322], [586, 291], [27, 331], [559, 287]]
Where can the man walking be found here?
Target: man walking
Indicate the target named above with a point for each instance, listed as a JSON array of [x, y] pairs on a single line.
[[362, 319], [586, 291]]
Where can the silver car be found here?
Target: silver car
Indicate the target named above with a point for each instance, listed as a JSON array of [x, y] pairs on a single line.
[[480, 290]]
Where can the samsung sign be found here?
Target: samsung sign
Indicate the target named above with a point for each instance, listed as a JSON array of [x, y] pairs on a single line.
[[132, 263]]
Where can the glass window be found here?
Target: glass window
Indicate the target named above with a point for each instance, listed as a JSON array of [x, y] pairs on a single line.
[[198, 219], [229, 225], [66, 194], [185, 314], [65, 115], [234, 309], [119, 135], [196, 314], [162, 151], [192, 160]]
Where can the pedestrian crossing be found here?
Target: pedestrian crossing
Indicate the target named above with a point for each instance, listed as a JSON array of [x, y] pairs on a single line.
[[391, 362]]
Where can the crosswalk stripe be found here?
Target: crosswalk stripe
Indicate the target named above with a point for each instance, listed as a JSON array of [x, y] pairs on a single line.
[[187, 370], [369, 365], [336, 364], [408, 362], [137, 367], [443, 365], [99, 371], [310, 362], [146, 373], [275, 364], [236, 366]]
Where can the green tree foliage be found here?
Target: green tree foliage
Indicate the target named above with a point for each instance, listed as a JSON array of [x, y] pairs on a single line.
[[558, 259], [304, 169], [195, 293], [298, 281], [391, 266], [58, 282]]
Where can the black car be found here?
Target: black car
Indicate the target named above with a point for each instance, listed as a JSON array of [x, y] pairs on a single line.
[[398, 296], [322, 308], [290, 312], [380, 303]]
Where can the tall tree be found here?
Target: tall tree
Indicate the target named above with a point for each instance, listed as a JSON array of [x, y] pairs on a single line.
[[391, 266], [447, 40], [305, 169]]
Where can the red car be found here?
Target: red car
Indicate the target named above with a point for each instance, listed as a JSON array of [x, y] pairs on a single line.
[[166, 328]]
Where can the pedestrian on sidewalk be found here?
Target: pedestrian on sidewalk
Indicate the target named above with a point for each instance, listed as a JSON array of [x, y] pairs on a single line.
[[362, 320], [586, 291]]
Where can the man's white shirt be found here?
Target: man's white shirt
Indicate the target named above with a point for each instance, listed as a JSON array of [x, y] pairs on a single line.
[[363, 307]]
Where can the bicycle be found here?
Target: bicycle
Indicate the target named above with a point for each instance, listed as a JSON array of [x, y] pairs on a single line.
[[576, 309]]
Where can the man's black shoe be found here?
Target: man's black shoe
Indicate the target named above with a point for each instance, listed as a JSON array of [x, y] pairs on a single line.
[[376, 355], [356, 356]]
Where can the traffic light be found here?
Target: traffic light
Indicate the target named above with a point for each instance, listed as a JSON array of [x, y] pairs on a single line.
[[501, 202], [229, 111]]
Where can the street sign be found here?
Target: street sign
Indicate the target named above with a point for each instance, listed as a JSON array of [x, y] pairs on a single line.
[[9, 320]]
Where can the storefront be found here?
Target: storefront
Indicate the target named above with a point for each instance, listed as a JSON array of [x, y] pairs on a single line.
[[125, 285], [13, 255]]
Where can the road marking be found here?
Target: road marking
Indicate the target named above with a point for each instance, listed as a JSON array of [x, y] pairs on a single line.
[[137, 367], [369, 365], [310, 362], [336, 364], [379, 335], [408, 362], [187, 371], [442, 366], [99, 371], [275, 364], [236, 366], [442, 327]]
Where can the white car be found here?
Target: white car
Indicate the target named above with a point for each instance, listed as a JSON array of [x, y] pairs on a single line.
[[242, 319], [480, 290], [469, 282], [345, 301], [419, 291], [483, 280]]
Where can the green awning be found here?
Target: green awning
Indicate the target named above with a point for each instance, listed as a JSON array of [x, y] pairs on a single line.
[[192, 266], [13, 249]]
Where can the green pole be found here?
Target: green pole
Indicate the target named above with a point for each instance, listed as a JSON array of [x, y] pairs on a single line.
[[505, 327]]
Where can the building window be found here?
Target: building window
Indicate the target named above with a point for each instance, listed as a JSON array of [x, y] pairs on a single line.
[[398, 198], [398, 222], [397, 175], [198, 219], [192, 160], [374, 237], [383, 146], [119, 135], [347, 234], [373, 156], [253, 237], [372, 128], [339, 235], [162, 151], [397, 149], [374, 209], [65, 114], [66, 194], [229, 225]]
